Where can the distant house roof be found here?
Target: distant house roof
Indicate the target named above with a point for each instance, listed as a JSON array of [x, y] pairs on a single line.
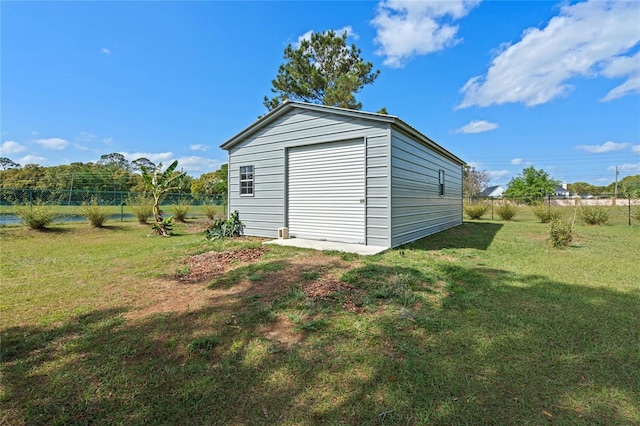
[[561, 190], [493, 191]]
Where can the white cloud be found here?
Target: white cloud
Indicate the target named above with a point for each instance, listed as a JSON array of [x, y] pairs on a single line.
[[53, 143], [198, 147], [105, 51], [197, 165], [516, 161], [11, 147], [635, 149], [477, 126], [107, 141], [307, 36], [407, 28], [85, 137], [605, 147], [586, 39], [154, 157], [495, 175], [623, 66], [627, 167], [32, 159]]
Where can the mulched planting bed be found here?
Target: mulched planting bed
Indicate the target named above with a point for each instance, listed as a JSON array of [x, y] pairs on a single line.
[[213, 263]]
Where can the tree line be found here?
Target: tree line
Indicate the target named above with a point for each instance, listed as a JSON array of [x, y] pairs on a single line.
[[532, 183], [113, 172]]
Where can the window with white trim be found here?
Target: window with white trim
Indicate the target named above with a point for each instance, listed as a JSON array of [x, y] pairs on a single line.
[[246, 180], [441, 182]]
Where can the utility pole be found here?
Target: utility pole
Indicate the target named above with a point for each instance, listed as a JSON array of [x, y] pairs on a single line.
[[616, 189]]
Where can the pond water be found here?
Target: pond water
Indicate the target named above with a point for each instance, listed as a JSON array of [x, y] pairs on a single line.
[[12, 219]]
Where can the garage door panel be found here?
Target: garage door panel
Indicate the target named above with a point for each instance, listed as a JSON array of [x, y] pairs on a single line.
[[326, 191]]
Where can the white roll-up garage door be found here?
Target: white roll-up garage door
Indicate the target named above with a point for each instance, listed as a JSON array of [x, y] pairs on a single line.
[[326, 192]]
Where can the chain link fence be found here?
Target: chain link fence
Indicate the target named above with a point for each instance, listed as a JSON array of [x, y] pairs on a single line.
[[621, 209], [67, 204]]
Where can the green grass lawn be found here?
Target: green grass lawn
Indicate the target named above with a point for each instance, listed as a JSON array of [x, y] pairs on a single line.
[[481, 324]]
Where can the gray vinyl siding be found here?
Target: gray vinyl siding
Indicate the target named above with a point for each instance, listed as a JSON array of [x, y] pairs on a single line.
[[377, 190], [400, 171], [265, 149], [417, 208]]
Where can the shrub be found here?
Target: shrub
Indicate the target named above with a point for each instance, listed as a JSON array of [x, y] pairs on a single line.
[[36, 216], [210, 210], [476, 211], [560, 233], [96, 213], [142, 207], [546, 213], [506, 210], [180, 210], [221, 229], [594, 215]]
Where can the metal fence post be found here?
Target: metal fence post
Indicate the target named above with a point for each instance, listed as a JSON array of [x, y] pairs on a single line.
[[491, 208]]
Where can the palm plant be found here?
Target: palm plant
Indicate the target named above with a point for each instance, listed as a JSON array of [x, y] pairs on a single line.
[[160, 183]]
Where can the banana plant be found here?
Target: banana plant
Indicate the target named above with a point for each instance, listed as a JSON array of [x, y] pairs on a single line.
[[160, 184]]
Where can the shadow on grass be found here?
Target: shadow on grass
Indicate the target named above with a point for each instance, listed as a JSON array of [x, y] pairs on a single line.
[[53, 230], [475, 235], [496, 348]]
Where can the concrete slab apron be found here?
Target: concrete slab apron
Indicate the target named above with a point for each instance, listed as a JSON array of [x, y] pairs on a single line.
[[328, 245]]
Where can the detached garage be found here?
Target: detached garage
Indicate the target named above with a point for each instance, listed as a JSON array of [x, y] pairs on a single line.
[[334, 174]]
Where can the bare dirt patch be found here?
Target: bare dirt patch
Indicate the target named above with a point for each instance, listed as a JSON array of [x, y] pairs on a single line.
[[182, 294], [283, 332], [213, 263], [197, 227], [331, 288], [186, 292]]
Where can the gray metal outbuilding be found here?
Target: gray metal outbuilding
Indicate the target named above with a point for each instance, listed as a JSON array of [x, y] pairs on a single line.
[[334, 174]]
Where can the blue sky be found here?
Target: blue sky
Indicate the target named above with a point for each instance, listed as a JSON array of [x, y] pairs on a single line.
[[503, 85]]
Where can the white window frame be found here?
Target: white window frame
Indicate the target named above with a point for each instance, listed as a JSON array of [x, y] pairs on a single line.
[[247, 180], [441, 182]]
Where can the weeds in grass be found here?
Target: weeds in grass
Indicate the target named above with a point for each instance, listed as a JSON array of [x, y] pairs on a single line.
[[594, 215], [96, 213], [476, 210], [636, 214], [202, 345], [310, 275], [252, 272], [314, 325], [37, 216], [183, 271]]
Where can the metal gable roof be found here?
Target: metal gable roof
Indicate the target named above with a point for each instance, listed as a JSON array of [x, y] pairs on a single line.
[[287, 106]]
